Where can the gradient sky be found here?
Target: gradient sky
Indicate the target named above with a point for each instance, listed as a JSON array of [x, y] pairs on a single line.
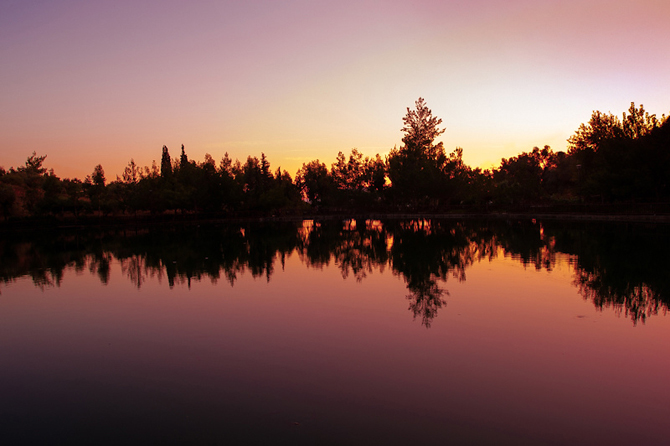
[[103, 82]]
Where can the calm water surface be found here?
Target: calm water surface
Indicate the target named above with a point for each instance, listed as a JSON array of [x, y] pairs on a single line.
[[337, 332]]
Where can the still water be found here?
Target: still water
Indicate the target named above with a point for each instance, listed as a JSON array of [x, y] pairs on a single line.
[[337, 332]]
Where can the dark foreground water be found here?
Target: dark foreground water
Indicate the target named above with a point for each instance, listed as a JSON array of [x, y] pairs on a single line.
[[354, 332]]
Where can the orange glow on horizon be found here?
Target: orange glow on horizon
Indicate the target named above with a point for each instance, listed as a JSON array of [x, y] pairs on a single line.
[[89, 84]]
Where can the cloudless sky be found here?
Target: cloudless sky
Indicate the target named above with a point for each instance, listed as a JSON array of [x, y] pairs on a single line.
[[103, 82]]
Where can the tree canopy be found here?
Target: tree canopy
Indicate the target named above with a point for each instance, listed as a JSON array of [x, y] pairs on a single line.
[[609, 159]]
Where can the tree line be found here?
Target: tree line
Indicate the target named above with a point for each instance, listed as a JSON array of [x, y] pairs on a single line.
[[608, 160]]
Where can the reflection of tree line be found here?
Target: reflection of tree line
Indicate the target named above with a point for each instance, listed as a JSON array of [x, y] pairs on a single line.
[[623, 267]]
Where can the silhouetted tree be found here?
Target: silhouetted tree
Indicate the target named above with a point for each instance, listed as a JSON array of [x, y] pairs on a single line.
[[166, 163], [183, 159], [34, 165], [519, 179], [30, 180], [376, 172], [232, 190], [417, 169], [95, 186], [611, 159], [350, 175], [74, 191], [131, 174], [53, 198], [314, 182]]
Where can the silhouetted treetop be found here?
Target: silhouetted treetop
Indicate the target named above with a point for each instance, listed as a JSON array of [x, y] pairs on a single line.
[[603, 127], [420, 126], [34, 164]]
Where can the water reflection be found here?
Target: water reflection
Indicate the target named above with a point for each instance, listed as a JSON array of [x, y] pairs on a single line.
[[623, 267]]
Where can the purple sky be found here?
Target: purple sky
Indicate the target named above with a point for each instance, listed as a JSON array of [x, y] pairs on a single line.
[[104, 82]]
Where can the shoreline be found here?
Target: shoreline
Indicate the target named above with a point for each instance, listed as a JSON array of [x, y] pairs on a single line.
[[166, 220]]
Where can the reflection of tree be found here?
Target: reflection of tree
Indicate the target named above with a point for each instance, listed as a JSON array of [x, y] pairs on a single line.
[[187, 254], [100, 264], [42, 259], [623, 267], [526, 241], [135, 268], [317, 243], [424, 252], [355, 246], [425, 299], [637, 301]]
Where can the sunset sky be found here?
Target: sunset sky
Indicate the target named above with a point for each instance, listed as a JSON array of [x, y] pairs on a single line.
[[103, 82]]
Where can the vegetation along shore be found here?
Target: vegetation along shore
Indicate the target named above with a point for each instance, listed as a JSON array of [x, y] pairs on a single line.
[[614, 168]]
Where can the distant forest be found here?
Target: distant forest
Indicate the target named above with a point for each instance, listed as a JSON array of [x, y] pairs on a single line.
[[610, 161]]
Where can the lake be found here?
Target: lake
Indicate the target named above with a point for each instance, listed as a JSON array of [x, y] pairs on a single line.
[[337, 332]]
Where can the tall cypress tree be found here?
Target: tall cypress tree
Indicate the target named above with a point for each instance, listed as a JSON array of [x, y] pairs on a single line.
[[183, 161], [166, 163]]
